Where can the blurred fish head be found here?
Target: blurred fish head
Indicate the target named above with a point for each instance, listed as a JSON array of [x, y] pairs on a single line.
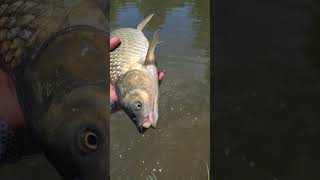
[[74, 134], [139, 100]]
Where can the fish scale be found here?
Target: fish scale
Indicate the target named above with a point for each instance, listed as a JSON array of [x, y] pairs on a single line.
[[24, 24], [16, 32], [134, 73], [34, 29], [130, 54]]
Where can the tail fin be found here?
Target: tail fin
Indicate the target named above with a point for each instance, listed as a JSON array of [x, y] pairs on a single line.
[[144, 22]]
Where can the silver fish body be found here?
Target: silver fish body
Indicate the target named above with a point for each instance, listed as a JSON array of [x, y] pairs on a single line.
[[134, 73], [130, 54]]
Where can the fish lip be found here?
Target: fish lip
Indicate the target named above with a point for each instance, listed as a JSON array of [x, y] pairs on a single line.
[[142, 130], [146, 125], [140, 127], [146, 119]]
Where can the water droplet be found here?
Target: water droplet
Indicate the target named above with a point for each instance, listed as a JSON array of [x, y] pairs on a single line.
[[195, 118], [171, 108], [154, 170], [142, 162], [157, 162], [120, 156], [160, 170]]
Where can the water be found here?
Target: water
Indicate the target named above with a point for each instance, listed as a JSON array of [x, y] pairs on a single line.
[[179, 147], [266, 94]]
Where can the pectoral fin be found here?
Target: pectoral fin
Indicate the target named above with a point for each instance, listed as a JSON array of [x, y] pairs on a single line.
[[152, 47], [144, 22]]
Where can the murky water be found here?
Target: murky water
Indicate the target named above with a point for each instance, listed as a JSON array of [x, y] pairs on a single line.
[[267, 90], [179, 147]]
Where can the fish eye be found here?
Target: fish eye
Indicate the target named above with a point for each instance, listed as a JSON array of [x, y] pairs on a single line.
[[89, 140], [137, 106]]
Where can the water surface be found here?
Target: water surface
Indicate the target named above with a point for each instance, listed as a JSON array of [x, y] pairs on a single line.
[[267, 90], [179, 147]]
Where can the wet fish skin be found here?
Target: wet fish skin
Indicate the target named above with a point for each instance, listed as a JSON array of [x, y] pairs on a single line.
[[134, 74], [18, 28], [25, 24], [57, 118], [63, 100]]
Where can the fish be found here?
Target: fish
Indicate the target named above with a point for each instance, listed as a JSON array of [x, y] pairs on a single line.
[[25, 24], [47, 46], [134, 74]]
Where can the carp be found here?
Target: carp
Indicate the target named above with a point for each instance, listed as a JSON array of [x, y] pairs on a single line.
[[49, 47], [134, 74]]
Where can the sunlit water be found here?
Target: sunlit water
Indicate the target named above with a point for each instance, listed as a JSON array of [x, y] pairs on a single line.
[[179, 147]]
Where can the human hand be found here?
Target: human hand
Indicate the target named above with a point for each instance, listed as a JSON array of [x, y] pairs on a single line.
[[114, 42], [10, 110]]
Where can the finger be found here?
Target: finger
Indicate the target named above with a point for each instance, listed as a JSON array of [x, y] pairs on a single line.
[[114, 100], [9, 105], [114, 42], [161, 76], [113, 94]]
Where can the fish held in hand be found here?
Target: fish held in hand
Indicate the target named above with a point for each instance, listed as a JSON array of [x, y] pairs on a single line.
[[133, 72]]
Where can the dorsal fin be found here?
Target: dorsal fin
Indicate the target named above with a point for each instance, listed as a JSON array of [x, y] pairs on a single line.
[[144, 22], [152, 47]]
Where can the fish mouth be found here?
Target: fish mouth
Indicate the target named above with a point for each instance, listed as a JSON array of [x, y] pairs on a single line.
[[146, 124], [149, 121], [142, 130]]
